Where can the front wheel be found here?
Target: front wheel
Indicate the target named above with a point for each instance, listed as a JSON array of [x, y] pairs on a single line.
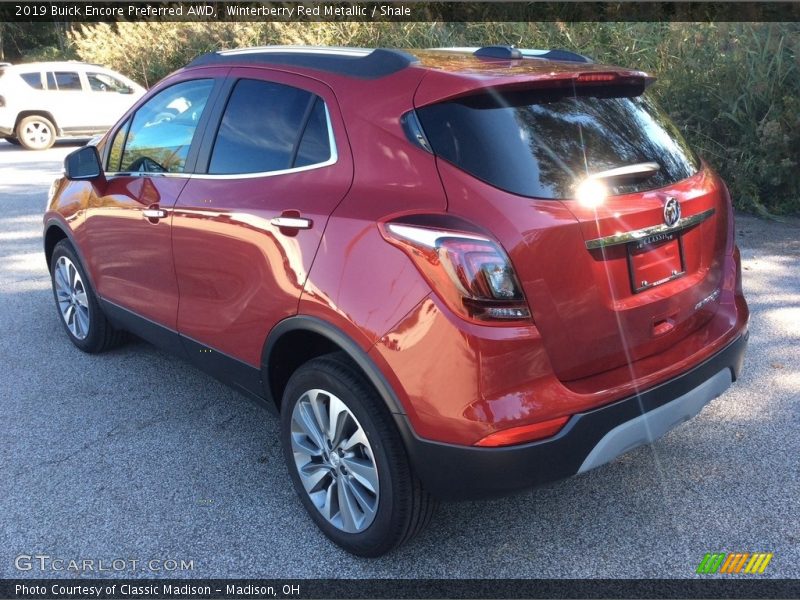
[[78, 309], [347, 461]]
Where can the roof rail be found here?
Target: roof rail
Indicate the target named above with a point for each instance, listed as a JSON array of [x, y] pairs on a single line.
[[502, 52], [512, 53], [354, 62]]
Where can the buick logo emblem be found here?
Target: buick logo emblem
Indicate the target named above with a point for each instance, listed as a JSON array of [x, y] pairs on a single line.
[[672, 211]]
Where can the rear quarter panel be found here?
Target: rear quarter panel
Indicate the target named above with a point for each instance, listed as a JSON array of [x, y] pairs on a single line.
[[359, 282]]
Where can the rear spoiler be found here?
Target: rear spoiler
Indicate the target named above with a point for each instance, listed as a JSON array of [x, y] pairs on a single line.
[[510, 69]]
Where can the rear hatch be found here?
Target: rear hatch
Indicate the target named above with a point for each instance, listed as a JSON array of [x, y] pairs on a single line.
[[615, 228]]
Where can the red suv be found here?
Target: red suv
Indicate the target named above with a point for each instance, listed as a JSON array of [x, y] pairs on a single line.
[[453, 273]]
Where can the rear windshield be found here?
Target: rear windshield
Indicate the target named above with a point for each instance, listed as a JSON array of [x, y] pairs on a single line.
[[542, 146]]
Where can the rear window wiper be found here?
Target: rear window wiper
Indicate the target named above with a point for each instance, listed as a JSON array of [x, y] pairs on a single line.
[[628, 173], [593, 190]]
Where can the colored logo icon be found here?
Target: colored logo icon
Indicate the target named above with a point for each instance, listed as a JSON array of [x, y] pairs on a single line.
[[734, 562]]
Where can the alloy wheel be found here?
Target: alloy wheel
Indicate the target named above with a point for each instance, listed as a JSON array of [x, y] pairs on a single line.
[[71, 296], [335, 461]]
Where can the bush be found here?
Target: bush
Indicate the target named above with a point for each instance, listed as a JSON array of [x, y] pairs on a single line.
[[733, 88], [146, 52]]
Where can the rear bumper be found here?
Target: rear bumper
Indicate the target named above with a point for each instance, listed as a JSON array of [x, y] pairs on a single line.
[[7, 121], [589, 439]]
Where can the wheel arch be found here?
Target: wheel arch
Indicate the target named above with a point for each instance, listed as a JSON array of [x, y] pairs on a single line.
[[54, 232], [52, 235], [37, 113], [296, 340]]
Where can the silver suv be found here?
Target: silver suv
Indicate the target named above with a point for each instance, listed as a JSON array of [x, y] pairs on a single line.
[[41, 102]]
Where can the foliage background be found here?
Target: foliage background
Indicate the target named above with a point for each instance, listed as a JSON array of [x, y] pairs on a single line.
[[733, 88]]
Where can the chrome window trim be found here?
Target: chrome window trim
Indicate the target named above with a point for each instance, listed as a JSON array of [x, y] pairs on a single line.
[[332, 160], [638, 234], [146, 174]]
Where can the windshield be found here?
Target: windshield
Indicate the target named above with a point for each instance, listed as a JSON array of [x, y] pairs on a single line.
[[543, 144]]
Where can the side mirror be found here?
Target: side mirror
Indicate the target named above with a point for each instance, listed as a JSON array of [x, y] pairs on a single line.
[[83, 164]]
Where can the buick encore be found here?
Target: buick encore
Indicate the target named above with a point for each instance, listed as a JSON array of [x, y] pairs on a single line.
[[452, 273]]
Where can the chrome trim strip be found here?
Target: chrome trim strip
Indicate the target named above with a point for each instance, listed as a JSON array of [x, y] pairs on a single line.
[[427, 236], [634, 236], [331, 161], [146, 174]]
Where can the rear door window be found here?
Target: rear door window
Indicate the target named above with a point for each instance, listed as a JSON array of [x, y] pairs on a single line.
[[67, 81], [315, 145], [262, 130], [543, 145]]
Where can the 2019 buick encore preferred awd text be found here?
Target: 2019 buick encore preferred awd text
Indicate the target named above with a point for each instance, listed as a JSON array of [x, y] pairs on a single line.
[[453, 273]]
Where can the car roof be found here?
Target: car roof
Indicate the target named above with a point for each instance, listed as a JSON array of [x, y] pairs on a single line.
[[57, 64], [441, 73], [373, 63], [364, 63]]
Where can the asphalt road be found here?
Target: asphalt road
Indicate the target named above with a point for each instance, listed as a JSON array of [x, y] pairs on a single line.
[[136, 455]]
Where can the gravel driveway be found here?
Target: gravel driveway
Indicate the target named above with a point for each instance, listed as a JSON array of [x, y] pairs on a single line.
[[136, 455]]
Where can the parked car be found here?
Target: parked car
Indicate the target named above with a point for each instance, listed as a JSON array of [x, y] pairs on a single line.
[[453, 274], [41, 102]]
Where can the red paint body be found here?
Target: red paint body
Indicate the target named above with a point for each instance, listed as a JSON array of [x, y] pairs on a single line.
[[218, 272]]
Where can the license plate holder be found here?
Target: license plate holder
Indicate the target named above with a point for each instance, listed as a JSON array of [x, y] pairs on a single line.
[[655, 260]]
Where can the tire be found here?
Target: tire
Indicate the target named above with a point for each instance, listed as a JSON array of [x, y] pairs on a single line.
[[36, 133], [76, 303], [12, 140], [396, 507]]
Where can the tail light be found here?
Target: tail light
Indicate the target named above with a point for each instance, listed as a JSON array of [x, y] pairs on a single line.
[[595, 77], [470, 272], [616, 78]]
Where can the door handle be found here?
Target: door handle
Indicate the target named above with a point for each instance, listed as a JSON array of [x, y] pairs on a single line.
[[154, 213], [292, 223]]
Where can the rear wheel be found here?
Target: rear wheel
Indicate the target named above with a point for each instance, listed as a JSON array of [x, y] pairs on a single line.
[[78, 309], [36, 133], [347, 461]]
